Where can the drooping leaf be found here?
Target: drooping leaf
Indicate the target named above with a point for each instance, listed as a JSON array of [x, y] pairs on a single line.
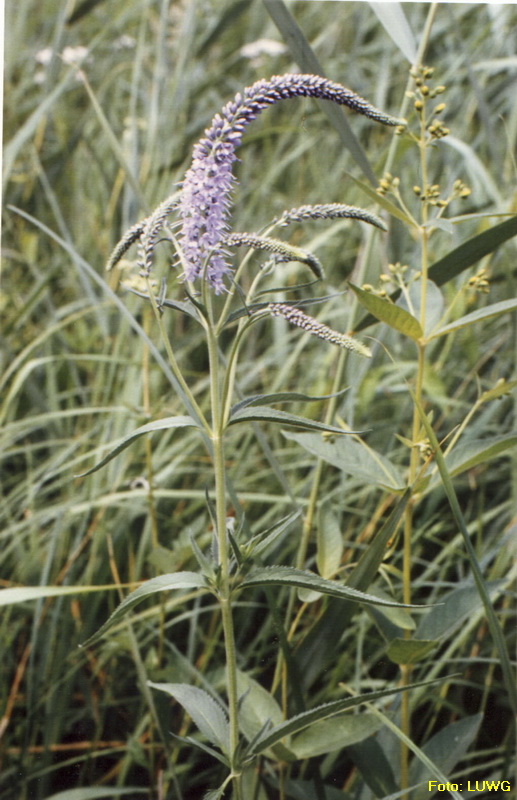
[[494, 310], [385, 311], [163, 583], [206, 713], [158, 425], [329, 735], [352, 457], [298, 578], [266, 414]]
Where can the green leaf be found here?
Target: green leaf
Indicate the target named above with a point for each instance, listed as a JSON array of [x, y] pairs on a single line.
[[206, 713], [316, 650], [268, 414], [329, 543], [354, 458], [455, 607], [460, 259], [478, 451], [256, 706], [445, 749], [494, 310], [472, 251], [302, 721], [384, 203], [163, 583], [299, 578], [381, 779], [21, 594], [392, 315], [493, 622], [409, 651], [332, 734], [394, 22], [150, 427], [281, 397], [307, 61], [97, 793], [434, 304], [261, 541]]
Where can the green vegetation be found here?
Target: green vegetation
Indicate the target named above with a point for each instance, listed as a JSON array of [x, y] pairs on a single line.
[[239, 560]]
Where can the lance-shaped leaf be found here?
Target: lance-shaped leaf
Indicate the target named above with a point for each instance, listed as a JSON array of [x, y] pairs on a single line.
[[302, 579], [163, 583], [282, 251], [482, 314], [301, 721], [267, 414], [387, 312], [158, 425], [21, 594], [460, 259], [282, 397], [205, 712]]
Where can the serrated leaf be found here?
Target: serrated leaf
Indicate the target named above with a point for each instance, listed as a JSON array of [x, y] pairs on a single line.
[[206, 713], [158, 425], [409, 651], [329, 543], [302, 721], [332, 734], [390, 314], [267, 414], [256, 706], [261, 541], [298, 578], [163, 583], [445, 749], [353, 458], [493, 310]]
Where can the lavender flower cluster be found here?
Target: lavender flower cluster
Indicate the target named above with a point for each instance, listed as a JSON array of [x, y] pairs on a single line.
[[205, 198]]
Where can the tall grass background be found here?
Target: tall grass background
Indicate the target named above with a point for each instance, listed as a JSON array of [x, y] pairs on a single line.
[[93, 140]]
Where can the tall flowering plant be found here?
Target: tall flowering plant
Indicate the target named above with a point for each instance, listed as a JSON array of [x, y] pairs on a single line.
[[244, 723]]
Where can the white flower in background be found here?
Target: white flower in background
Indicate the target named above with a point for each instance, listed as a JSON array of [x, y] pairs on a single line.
[[262, 47], [74, 55], [44, 56]]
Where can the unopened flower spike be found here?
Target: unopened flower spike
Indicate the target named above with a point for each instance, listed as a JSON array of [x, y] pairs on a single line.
[[205, 199], [297, 317], [283, 252]]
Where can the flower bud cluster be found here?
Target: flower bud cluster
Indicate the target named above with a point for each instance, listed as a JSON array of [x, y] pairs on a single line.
[[479, 282]]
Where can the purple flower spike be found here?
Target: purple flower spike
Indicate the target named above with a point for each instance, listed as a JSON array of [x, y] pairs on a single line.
[[205, 200]]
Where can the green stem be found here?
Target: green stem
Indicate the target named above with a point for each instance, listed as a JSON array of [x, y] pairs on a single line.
[[217, 436]]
